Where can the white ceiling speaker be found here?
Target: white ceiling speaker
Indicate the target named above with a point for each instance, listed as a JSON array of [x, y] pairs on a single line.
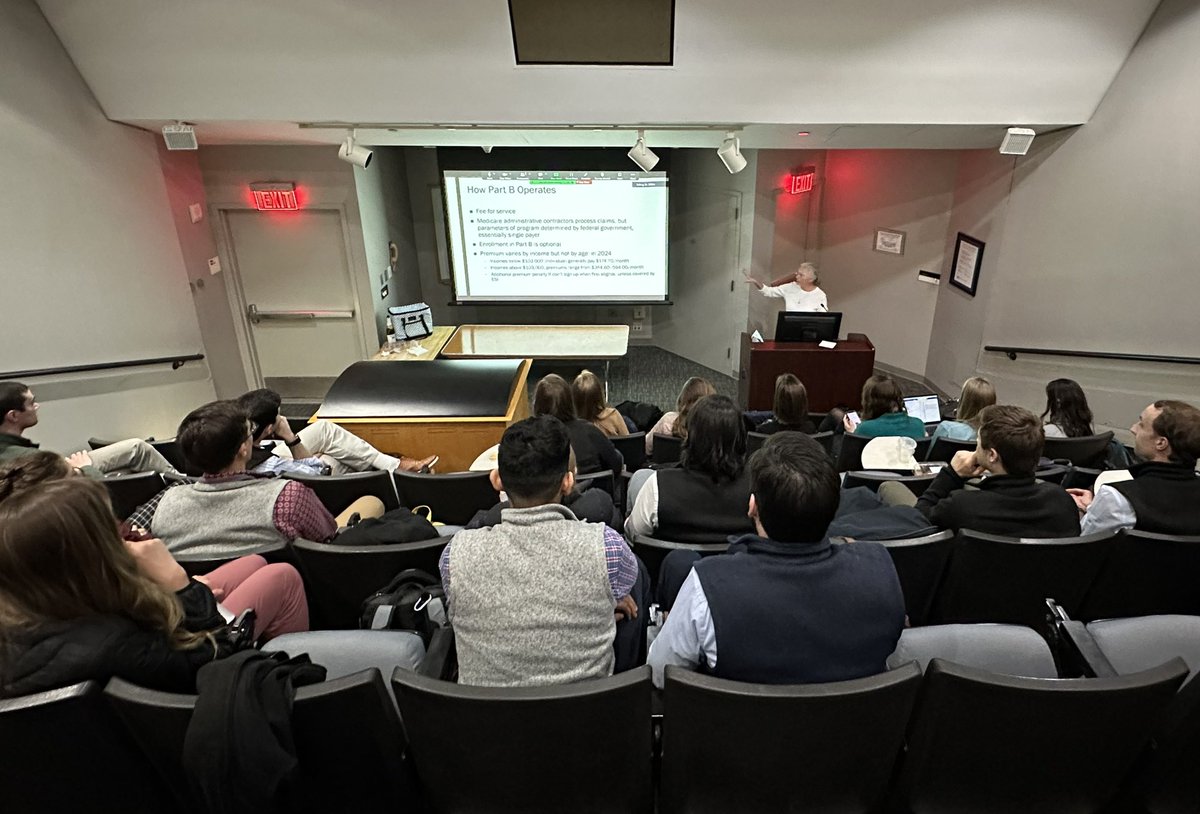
[[1017, 141], [179, 136], [642, 155], [349, 151], [730, 153]]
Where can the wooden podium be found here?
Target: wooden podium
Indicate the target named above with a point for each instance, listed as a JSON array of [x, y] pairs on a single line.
[[832, 376], [452, 408]]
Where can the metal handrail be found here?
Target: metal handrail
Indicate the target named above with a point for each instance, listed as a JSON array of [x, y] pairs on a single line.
[[176, 362], [1011, 353]]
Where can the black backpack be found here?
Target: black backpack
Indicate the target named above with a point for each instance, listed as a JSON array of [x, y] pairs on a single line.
[[643, 414], [403, 604], [396, 526]]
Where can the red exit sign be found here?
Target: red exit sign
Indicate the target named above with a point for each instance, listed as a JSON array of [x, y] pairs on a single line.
[[801, 181], [274, 197]]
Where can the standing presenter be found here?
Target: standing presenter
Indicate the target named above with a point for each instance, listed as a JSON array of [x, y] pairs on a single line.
[[799, 291]]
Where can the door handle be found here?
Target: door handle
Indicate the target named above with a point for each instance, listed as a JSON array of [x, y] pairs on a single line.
[[256, 316]]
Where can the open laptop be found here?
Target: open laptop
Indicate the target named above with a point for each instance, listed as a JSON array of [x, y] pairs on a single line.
[[924, 407]]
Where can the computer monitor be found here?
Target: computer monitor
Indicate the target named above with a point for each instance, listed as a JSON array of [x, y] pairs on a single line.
[[808, 326], [925, 408]]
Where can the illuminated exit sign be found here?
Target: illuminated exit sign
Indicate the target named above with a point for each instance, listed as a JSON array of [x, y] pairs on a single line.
[[801, 181], [274, 197]]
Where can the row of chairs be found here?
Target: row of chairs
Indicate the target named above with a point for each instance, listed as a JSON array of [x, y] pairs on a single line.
[[927, 735], [977, 577]]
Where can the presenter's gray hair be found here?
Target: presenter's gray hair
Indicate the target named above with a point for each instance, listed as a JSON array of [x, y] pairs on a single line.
[[808, 271]]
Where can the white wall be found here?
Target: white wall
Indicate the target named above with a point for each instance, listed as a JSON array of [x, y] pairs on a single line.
[[708, 251], [92, 268], [879, 294], [1097, 249], [980, 206], [386, 214]]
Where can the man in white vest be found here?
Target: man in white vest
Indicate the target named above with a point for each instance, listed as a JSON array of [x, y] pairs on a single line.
[[533, 599]]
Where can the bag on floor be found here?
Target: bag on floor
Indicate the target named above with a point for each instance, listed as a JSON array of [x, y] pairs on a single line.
[[411, 601], [396, 526]]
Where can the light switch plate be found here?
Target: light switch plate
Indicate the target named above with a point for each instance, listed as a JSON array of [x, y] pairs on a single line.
[[196, 212], [214, 265]]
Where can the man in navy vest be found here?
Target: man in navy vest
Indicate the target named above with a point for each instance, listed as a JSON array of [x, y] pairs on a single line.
[[785, 606], [1165, 491]]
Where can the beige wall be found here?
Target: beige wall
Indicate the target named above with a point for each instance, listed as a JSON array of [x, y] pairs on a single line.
[[1096, 247], [92, 268], [879, 294]]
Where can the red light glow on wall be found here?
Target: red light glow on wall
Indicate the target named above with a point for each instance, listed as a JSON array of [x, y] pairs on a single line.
[[274, 197], [801, 181]]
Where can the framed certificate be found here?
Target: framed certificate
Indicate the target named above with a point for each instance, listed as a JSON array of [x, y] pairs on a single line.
[[968, 256], [889, 241]]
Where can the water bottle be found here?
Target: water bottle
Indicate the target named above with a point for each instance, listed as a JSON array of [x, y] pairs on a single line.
[[390, 336]]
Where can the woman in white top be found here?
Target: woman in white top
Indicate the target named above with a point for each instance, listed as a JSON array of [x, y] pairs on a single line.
[[799, 292]]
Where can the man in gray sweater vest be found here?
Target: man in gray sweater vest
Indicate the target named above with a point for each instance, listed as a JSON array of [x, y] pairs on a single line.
[[533, 599]]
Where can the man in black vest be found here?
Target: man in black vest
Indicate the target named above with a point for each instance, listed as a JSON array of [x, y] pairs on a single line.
[[1164, 495], [786, 606]]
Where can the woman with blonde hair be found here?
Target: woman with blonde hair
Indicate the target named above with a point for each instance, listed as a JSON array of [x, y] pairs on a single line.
[[977, 393], [587, 391], [77, 602], [674, 422]]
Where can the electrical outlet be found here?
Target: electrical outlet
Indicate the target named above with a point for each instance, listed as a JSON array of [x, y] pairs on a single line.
[[637, 327]]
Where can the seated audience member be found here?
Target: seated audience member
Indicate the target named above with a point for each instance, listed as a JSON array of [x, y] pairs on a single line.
[[785, 606], [589, 505], [1009, 501], [229, 512], [1165, 491], [1067, 414], [674, 422], [977, 393], [319, 448], [883, 411], [588, 393], [532, 599], [79, 603], [704, 499], [19, 412], [274, 590], [593, 451], [791, 408]]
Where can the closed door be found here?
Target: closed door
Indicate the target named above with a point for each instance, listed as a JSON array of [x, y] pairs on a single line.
[[296, 296]]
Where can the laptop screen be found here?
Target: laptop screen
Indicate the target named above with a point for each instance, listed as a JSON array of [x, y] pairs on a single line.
[[924, 407]]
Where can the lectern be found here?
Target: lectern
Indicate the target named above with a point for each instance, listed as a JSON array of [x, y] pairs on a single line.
[[832, 376], [452, 408]]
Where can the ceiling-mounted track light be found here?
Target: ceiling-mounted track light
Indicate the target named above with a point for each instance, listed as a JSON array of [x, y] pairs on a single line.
[[349, 151], [642, 155], [730, 153]]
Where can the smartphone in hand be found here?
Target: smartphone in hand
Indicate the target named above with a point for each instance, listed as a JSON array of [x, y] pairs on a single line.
[[854, 418]]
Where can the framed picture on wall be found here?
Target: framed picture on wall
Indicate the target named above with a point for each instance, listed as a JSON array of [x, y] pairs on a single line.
[[968, 257], [889, 241]]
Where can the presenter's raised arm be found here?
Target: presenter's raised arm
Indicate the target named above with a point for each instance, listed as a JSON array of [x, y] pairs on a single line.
[[751, 280]]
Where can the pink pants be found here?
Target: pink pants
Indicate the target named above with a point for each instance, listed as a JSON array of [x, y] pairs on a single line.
[[274, 590]]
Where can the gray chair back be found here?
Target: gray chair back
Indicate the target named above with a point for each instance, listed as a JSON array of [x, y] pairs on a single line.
[[1006, 649]]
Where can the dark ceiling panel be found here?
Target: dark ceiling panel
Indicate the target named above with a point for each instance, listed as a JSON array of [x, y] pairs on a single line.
[[593, 32]]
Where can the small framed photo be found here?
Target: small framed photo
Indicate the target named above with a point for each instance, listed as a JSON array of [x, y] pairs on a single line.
[[968, 257], [889, 241]]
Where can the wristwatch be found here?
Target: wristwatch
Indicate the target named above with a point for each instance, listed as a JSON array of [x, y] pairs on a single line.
[[294, 442]]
